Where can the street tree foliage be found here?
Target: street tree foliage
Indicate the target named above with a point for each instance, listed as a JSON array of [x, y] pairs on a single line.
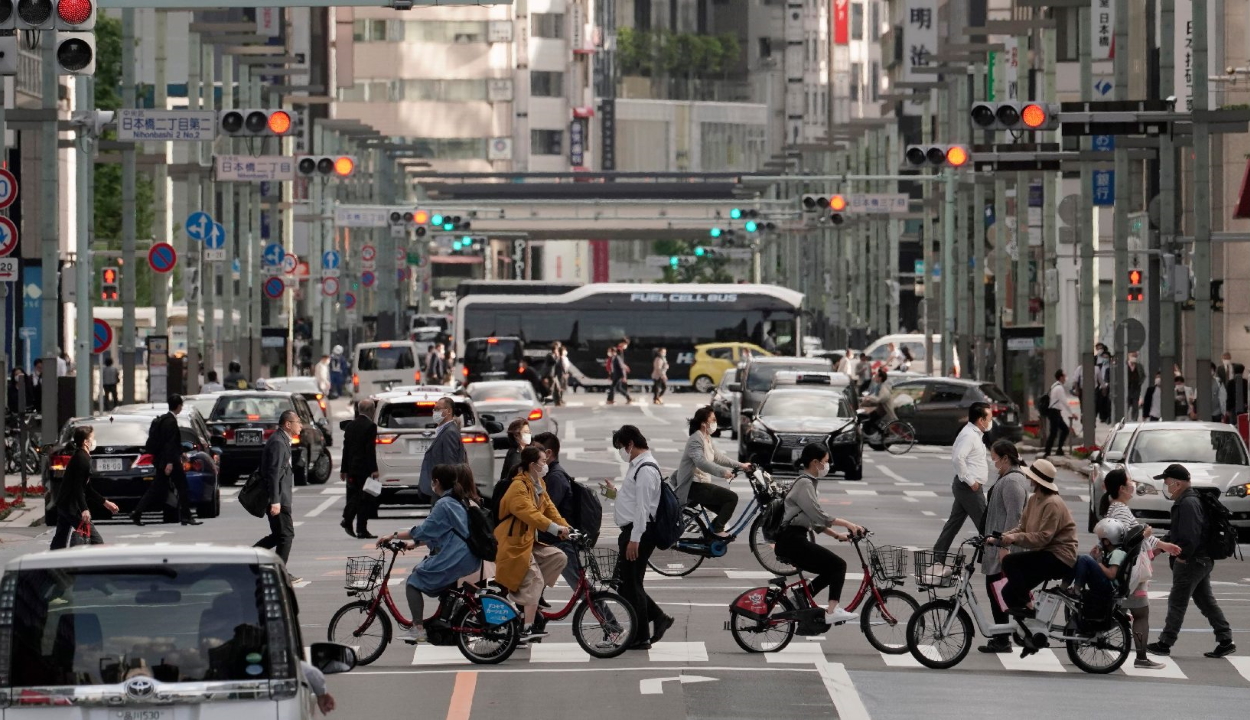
[[703, 269]]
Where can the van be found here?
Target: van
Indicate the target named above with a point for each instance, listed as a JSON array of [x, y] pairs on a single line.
[[879, 351], [380, 366], [492, 358], [159, 632]]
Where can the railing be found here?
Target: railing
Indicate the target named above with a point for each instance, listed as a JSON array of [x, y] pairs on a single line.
[[29, 72]]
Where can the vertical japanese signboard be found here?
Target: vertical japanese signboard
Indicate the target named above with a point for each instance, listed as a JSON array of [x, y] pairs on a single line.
[[841, 22], [919, 38], [1011, 68], [1183, 79], [1102, 30]]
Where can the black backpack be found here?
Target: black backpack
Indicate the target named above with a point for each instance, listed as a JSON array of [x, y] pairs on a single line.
[[496, 494], [1219, 535], [1042, 403], [666, 529], [481, 539], [587, 511], [774, 515]]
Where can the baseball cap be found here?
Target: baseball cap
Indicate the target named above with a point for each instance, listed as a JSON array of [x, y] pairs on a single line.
[[1175, 471]]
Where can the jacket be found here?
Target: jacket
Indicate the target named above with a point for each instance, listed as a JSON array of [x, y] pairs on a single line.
[[698, 460], [1046, 524], [444, 532], [446, 449], [360, 450], [802, 506], [620, 370], [524, 509], [435, 368], [1188, 525], [165, 442], [511, 460], [560, 489], [1003, 508], [75, 490], [659, 368], [275, 469]]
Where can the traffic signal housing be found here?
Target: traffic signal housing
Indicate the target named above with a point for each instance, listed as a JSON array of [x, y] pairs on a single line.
[[1217, 295], [255, 122], [326, 166], [31, 15], [829, 208], [1135, 291], [921, 156], [1015, 116], [108, 283]]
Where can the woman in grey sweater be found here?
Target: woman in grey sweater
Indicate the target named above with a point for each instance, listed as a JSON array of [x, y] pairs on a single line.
[[693, 483], [1004, 504]]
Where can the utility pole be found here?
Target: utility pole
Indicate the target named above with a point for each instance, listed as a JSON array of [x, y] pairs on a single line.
[[130, 270], [1123, 192], [49, 230], [1163, 310], [948, 263], [1202, 214], [961, 131], [1087, 286], [160, 180], [195, 202], [387, 288], [895, 229], [1052, 190], [926, 244], [977, 254], [229, 329], [82, 277], [208, 270]]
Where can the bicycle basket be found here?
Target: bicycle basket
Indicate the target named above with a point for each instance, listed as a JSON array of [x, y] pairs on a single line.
[[888, 562], [601, 565], [363, 573], [938, 569]]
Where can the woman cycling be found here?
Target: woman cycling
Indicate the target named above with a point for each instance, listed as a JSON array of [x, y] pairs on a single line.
[[444, 532], [803, 514], [518, 439], [1048, 534], [692, 481], [1004, 504]]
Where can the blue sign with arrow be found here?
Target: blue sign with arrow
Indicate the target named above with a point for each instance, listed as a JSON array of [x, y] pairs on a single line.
[[1103, 143], [274, 254], [216, 238], [199, 225], [330, 260]]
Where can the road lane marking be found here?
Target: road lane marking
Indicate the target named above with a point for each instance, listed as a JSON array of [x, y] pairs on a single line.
[[462, 696], [325, 505], [438, 655], [1171, 670], [1044, 661], [683, 652], [1242, 664], [906, 660], [557, 652], [891, 474], [910, 499], [842, 691], [920, 493], [340, 490], [796, 655], [851, 491], [928, 513]]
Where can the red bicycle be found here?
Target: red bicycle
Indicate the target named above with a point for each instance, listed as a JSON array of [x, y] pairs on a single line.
[[603, 621], [484, 624], [766, 619]]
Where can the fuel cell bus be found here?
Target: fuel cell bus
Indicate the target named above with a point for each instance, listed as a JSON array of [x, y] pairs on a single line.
[[590, 319]]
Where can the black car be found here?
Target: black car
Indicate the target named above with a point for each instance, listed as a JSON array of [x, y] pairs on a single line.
[[243, 420], [791, 418], [307, 387], [122, 472], [492, 358], [938, 408]]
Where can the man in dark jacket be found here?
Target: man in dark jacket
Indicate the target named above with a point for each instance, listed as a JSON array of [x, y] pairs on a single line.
[[560, 490], [278, 477], [446, 448], [360, 462], [620, 373], [435, 366], [165, 447], [1191, 568]]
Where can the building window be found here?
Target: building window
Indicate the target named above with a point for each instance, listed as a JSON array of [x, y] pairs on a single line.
[[442, 90], [369, 31], [546, 84], [547, 25], [856, 79], [857, 21], [874, 31], [546, 142], [430, 31], [1067, 35], [874, 81]]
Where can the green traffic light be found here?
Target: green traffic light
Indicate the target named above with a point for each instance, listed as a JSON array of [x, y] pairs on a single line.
[[751, 226], [735, 213], [449, 226], [699, 252], [466, 240], [436, 220], [716, 232], [455, 245], [674, 261]]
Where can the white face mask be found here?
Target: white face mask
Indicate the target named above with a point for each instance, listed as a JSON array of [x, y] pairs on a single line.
[[541, 470], [821, 469], [90, 445], [525, 438], [624, 453]]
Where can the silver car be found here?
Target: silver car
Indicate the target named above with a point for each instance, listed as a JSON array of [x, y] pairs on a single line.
[[506, 400], [725, 403], [1116, 444]]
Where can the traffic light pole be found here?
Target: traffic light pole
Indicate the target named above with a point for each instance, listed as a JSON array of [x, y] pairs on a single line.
[[84, 265], [208, 270], [948, 262], [160, 179], [1088, 288], [1051, 191], [1202, 214], [1164, 330], [195, 202], [49, 227], [977, 368], [130, 270], [1123, 193], [229, 329]]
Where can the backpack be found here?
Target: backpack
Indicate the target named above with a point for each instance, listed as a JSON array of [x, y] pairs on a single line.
[[254, 496], [666, 529], [587, 511], [1128, 575], [773, 516], [496, 495], [1042, 403], [1219, 536], [481, 540]]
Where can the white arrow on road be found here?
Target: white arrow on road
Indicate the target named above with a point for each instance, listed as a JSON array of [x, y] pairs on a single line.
[[655, 686]]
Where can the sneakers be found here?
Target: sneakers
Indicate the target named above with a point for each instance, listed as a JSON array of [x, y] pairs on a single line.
[[1224, 648], [530, 634], [1158, 648], [414, 635], [839, 616], [1144, 663]]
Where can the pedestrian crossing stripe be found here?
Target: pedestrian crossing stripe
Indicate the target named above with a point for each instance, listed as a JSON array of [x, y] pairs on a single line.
[[549, 652], [1042, 661]]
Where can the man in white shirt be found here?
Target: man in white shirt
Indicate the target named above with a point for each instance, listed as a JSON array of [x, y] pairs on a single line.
[[636, 505], [971, 471], [1058, 410], [894, 359]]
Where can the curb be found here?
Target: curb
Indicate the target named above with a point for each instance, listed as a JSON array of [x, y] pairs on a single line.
[[28, 516]]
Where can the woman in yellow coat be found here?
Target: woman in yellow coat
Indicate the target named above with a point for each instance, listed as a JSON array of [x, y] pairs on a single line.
[[522, 565]]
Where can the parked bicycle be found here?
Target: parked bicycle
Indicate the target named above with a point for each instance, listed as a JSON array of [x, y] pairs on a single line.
[[940, 633], [697, 543], [766, 619], [478, 619], [603, 621], [21, 444]]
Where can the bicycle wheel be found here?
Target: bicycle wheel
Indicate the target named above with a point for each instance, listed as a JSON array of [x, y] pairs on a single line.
[[888, 636], [765, 551], [929, 644], [604, 626], [767, 634], [485, 644], [1106, 651], [368, 638], [677, 563], [899, 437]]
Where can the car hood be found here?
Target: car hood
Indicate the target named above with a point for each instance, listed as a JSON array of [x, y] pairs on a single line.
[[1216, 476], [807, 424]]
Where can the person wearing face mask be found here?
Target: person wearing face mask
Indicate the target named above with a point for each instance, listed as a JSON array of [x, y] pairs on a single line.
[[165, 446], [75, 492], [446, 448], [637, 502], [1152, 401], [523, 565], [699, 463], [971, 472], [803, 515], [659, 376], [519, 438], [1004, 505]]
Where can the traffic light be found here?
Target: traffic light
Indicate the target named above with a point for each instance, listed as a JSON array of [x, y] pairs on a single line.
[[700, 251], [33, 15], [74, 21], [919, 156], [828, 207], [326, 166], [716, 232], [1217, 295], [450, 223], [108, 283], [256, 122], [1017, 116], [674, 261], [1135, 292]]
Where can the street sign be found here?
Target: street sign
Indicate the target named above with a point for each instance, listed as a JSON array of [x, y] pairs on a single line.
[[349, 300], [367, 278], [101, 336], [368, 253], [1134, 334], [8, 188], [166, 125], [245, 168], [216, 238], [236, 268], [8, 270], [8, 237], [400, 254], [919, 267], [273, 254], [274, 287], [162, 257], [414, 258], [350, 317], [891, 203], [359, 216], [368, 265], [1103, 143], [301, 270], [402, 274], [330, 260], [199, 225], [1104, 188], [330, 287], [289, 262]]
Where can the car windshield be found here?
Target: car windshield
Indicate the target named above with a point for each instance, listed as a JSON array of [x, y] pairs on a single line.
[[1119, 441], [397, 357], [1219, 447], [760, 377], [491, 356], [427, 334], [407, 415], [119, 433], [730, 377], [254, 409], [485, 392], [993, 392], [803, 405], [302, 385], [102, 625]]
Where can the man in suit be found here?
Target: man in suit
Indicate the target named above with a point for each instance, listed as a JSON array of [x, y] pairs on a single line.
[[435, 366], [446, 447], [165, 447], [360, 462], [278, 477]]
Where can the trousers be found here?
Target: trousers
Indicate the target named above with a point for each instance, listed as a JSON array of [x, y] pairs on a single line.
[[715, 498], [360, 507], [1027, 570], [632, 589], [1058, 430], [1192, 579], [158, 491], [281, 534], [968, 504], [829, 569]]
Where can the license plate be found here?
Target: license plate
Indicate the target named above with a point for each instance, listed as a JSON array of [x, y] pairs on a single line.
[[248, 438], [109, 465], [143, 714], [1010, 417], [418, 447]]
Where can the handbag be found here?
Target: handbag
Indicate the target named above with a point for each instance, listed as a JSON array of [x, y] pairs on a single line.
[[373, 486], [1142, 571], [82, 535]]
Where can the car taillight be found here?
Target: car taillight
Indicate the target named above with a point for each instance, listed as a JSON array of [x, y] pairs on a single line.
[[386, 439], [464, 371], [474, 438], [295, 440], [998, 410], [416, 376], [273, 613], [268, 431], [356, 381], [228, 434], [536, 414], [60, 462], [322, 403], [145, 460]]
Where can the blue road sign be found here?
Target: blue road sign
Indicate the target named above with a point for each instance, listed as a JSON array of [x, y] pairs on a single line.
[[330, 260], [274, 287], [1103, 142], [349, 301], [199, 225], [273, 254], [1104, 188], [368, 278], [937, 270], [235, 267], [216, 238], [101, 336]]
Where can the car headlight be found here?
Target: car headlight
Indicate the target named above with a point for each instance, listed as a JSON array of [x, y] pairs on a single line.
[[761, 435], [844, 437], [1146, 489], [1238, 490]]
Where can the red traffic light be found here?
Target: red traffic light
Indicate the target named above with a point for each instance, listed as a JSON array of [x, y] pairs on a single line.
[[344, 166], [957, 155], [74, 12], [837, 203], [1033, 115], [1134, 277], [420, 217], [109, 276], [279, 122]]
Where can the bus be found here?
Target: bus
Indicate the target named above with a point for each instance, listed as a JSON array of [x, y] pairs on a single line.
[[512, 287], [592, 318]]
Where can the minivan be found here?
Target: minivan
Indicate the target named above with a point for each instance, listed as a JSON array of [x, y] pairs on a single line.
[[879, 351], [380, 366], [492, 358]]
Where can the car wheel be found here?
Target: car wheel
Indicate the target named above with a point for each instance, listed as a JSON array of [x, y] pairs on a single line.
[[321, 468], [704, 384], [210, 509], [855, 472]]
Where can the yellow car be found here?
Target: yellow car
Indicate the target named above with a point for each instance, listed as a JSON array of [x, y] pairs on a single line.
[[713, 359]]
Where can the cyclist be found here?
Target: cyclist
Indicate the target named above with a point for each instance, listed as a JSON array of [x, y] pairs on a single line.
[[803, 514], [519, 438], [692, 481], [450, 559], [879, 400]]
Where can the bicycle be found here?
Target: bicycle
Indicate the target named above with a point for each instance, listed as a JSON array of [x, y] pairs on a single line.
[[897, 437], [755, 612], [697, 542], [612, 619], [940, 632], [478, 619], [21, 444]]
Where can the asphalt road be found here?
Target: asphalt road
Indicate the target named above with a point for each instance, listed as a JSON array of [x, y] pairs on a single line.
[[698, 671]]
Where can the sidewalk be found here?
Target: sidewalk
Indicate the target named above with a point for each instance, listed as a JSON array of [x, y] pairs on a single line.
[[1066, 462], [31, 512]]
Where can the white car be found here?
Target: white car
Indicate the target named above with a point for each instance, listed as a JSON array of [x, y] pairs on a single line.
[[506, 400], [172, 631], [1100, 465], [1214, 454], [380, 366]]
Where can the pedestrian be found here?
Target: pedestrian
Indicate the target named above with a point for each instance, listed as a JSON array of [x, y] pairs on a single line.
[[1219, 393], [519, 438], [360, 463], [522, 564], [165, 446], [1058, 410], [235, 379], [971, 473], [321, 371], [1152, 401], [560, 489], [905, 365], [893, 358], [109, 379], [637, 501], [553, 375], [34, 396], [1047, 533], [1184, 399], [1003, 506], [863, 372], [446, 447], [1237, 392], [1191, 567], [435, 365], [74, 494], [609, 365], [659, 376], [844, 363], [693, 480], [770, 341], [212, 385], [566, 373], [279, 480], [1102, 384], [62, 364], [531, 376], [1136, 377], [620, 373], [338, 372]]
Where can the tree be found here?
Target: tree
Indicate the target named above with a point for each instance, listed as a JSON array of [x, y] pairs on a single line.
[[707, 268]]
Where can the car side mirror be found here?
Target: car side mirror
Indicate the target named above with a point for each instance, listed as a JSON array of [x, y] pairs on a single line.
[[735, 387], [491, 426], [1114, 457], [332, 658], [217, 452], [343, 424], [487, 418]]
